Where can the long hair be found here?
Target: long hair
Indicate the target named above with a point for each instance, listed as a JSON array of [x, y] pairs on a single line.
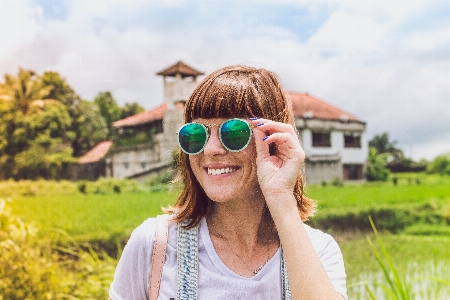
[[233, 92]]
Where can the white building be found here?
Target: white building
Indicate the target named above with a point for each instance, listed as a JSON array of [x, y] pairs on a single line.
[[334, 140]]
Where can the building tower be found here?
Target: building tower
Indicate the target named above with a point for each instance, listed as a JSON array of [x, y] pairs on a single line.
[[180, 81]]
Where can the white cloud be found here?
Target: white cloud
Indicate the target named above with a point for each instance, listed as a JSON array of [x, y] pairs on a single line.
[[359, 59], [347, 32], [18, 25], [424, 41]]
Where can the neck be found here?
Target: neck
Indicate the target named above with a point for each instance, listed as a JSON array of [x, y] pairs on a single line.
[[247, 223]]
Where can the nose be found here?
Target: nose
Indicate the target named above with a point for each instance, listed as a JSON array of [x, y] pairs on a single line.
[[213, 145]]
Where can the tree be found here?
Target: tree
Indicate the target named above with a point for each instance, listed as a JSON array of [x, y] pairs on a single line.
[[376, 166], [108, 108], [131, 109], [440, 165], [20, 92], [382, 144], [35, 133], [90, 127], [60, 89]]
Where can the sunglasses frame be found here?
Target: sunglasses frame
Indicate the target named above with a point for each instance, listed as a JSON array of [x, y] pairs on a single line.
[[206, 126]]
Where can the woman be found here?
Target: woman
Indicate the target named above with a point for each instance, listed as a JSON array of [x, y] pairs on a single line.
[[242, 203]]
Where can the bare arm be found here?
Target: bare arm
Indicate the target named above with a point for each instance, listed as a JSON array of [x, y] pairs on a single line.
[[277, 176]]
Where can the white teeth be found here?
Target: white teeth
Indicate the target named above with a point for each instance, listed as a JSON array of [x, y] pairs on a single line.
[[220, 171]]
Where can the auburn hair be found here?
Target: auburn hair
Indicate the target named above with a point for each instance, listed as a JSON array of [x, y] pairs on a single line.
[[233, 92]]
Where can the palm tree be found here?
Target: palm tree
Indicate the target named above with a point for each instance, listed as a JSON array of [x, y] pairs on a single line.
[[22, 92]]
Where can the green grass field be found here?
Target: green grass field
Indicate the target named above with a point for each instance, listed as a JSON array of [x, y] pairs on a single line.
[[357, 195], [91, 217], [102, 215]]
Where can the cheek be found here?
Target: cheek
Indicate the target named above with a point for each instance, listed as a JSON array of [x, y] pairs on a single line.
[[193, 162]]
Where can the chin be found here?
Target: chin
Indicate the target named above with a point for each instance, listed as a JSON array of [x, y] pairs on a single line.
[[218, 198]]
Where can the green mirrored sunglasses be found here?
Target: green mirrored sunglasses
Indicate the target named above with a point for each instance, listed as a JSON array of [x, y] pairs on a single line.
[[234, 134]]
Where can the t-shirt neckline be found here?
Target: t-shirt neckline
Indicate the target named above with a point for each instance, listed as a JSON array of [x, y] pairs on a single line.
[[218, 263]]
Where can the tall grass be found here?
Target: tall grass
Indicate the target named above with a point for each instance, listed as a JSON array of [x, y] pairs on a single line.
[[421, 281]]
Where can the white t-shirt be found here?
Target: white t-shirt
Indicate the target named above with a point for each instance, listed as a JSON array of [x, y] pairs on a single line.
[[215, 279]]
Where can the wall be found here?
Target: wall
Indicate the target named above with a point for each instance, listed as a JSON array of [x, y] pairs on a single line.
[[325, 163], [178, 89], [318, 171]]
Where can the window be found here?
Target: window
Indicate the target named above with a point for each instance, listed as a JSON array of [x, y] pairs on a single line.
[[126, 165], [352, 141], [353, 171], [320, 139]]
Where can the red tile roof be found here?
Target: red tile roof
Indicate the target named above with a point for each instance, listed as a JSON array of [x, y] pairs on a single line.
[[304, 105], [307, 106], [96, 153], [181, 68], [143, 118]]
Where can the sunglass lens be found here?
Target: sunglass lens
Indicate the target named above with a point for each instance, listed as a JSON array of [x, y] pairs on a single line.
[[235, 134], [192, 138]]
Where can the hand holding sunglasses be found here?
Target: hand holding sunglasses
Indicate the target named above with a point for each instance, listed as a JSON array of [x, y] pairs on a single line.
[[280, 170]]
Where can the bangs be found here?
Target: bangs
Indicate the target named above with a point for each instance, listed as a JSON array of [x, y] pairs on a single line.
[[224, 98], [239, 92]]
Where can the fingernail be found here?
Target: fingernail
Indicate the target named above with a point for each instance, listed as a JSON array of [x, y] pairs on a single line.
[[253, 118], [259, 124], [265, 138]]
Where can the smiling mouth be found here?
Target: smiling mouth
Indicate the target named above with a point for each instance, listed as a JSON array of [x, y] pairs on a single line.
[[221, 171]]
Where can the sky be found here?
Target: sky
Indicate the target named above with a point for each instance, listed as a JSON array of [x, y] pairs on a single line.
[[387, 62]]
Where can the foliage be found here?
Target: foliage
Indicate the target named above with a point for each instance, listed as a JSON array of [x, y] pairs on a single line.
[[42, 126], [99, 215], [131, 137], [397, 286], [382, 144], [131, 109], [89, 126], [34, 131], [26, 272], [376, 166], [440, 165], [394, 218], [32, 270], [337, 181], [105, 219], [395, 159], [108, 108]]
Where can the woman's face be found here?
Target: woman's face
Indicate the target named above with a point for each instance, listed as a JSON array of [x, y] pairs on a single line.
[[225, 175]]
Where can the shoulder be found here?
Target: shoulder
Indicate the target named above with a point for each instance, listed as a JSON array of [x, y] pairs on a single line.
[[322, 242], [145, 233]]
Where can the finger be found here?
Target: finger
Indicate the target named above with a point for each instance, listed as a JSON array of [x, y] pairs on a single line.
[[272, 127], [262, 148], [287, 145], [283, 139]]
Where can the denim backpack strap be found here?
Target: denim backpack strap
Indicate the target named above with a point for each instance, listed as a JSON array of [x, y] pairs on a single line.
[[187, 262], [284, 279]]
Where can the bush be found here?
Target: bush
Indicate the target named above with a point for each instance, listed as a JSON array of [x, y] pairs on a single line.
[[376, 166], [440, 165], [337, 182], [394, 218], [32, 270], [26, 271], [82, 187], [395, 180]]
